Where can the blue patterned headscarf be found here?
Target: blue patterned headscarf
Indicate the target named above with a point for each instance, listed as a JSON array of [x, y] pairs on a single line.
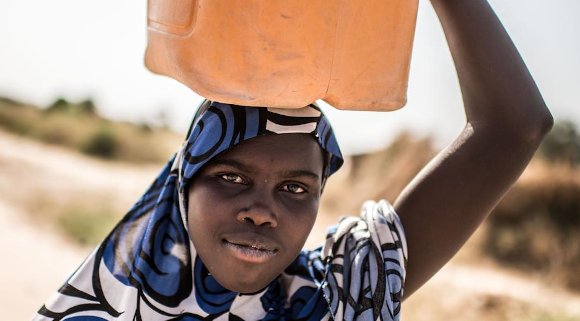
[[148, 269]]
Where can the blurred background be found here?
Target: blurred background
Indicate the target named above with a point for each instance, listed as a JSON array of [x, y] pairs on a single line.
[[84, 128]]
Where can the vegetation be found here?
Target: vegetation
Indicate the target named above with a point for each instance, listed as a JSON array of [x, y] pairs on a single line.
[[87, 226], [84, 220], [537, 225], [562, 145], [102, 143], [78, 126]]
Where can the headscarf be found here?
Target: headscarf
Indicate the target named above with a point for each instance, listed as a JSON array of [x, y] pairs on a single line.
[[148, 269]]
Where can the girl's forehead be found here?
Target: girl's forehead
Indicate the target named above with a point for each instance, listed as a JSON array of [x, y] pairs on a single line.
[[277, 142], [302, 149]]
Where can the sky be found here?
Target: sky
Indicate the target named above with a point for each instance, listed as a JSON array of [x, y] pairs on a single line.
[[94, 49]]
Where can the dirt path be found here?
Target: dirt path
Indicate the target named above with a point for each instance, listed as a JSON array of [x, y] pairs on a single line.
[[468, 292], [35, 262], [30, 170]]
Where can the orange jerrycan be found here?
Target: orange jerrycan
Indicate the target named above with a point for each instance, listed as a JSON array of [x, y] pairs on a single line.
[[353, 54]]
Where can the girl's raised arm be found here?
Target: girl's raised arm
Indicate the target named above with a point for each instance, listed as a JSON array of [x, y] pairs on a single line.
[[506, 121]]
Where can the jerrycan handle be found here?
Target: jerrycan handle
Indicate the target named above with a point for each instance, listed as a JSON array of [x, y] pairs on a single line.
[[172, 16]]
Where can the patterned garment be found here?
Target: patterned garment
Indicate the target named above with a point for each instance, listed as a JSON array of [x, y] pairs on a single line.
[[147, 267]]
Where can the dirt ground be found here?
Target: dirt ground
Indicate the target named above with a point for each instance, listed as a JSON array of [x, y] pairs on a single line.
[[35, 262], [36, 258]]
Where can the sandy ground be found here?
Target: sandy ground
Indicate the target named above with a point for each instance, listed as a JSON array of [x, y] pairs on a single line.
[[36, 259], [35, 262]]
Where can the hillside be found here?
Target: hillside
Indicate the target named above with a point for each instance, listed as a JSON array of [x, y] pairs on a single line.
[[79, 126]]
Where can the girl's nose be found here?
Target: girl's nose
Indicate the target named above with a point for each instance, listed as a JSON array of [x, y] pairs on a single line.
[[259, 215]]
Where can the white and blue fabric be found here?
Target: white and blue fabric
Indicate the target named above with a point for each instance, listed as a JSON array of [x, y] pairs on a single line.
[[147, 267]]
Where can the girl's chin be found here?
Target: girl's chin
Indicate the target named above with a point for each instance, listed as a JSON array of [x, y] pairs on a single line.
[[240, 286], [243, 281]]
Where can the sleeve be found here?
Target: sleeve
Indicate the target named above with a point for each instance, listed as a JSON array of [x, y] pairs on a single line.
[[365, 260]]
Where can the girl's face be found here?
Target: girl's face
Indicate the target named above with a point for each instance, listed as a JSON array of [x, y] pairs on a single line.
[[252, 208]]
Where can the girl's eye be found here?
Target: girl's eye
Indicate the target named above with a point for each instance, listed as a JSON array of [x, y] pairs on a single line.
[[294, 188], [232, 178]]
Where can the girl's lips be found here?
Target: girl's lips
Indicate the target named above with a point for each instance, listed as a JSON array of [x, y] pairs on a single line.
[[253, 252]]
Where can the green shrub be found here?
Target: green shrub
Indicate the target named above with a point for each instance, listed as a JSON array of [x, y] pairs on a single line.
[[62, 106], [88, 107], [87, 226], [59, 105], [102, 143], [562, 144], [536, 226]]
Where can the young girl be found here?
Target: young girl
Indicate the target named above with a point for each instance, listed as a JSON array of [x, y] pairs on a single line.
[[219, 234]]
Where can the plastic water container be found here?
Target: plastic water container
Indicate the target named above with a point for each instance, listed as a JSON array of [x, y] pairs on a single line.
[[353, 54]]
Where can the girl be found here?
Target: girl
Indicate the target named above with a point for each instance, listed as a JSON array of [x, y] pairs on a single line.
[[218, 234]]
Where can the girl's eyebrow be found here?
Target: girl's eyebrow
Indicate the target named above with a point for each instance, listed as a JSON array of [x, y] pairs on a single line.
[[299, 173], [235, 164], [251, 169]]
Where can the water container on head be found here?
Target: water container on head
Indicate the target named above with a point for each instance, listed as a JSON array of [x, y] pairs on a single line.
[[353, 54]]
